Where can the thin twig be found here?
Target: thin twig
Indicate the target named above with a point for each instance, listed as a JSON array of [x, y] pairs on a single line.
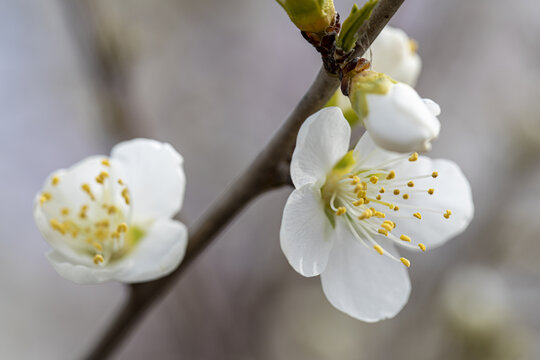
[[268, 171]]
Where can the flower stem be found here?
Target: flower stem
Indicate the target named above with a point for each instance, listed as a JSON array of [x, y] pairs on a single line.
[[268, 171]]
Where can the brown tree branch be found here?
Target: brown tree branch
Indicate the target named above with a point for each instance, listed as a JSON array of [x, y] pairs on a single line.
[[269, 170]]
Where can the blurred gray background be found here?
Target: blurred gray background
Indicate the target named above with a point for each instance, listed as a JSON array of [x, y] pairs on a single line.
[[216, 79]]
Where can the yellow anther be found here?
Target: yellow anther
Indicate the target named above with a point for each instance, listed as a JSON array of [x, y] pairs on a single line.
[[391, 206], [379, 214], [125, 195], [381, 190], [396, 208], [383, 231], [387, 227], [378, 197], [405, 262], [422, 246], [115, 235], [82, 213], [396, 192], [434, 174], [341, 210], [64, 211], [98, 258], [355, 180], [102, 223], [365, 215], [378, 249], [391, 175], [417, 215], [55, 180], [405, 238], [101, 177], [123, 227], [97, 245], [112, 210], [374, 179], [364, 185], [86, 188], [405, 196], [105, 162], [414, 157], [447, 214], [390, 222], [361, 194], [120, 182], [431, 191], [45, 197], [358, 202], [56, 225], [410, 184], [413, 45]]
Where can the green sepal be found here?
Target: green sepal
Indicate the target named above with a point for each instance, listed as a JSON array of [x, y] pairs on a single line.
[[367, 82], [343, 102], [349, 31]]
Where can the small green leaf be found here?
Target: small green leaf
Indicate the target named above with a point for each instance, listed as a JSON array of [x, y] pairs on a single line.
[[348, 35]]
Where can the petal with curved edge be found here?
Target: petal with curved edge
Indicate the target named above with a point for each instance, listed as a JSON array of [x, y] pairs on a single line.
[[363, 284], [306, 232], [452, 192], [158, 253], [400, 120], [392, 54], [322, 140], [81, 274], [370, 156], [432, 106], [154, 176]]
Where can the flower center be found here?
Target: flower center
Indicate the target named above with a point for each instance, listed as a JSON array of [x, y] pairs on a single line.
[[373, 201], [98, 224]]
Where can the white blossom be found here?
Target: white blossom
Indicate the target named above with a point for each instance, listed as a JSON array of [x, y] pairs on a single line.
[[110, 218], [394, 54], [352, 208]]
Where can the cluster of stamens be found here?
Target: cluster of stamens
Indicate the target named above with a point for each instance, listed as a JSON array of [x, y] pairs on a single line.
[[363, 197], [98, 227]]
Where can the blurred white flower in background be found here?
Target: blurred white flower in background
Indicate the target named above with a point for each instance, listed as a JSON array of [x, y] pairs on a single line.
[[109, 218], [394, 54], [349, 209]]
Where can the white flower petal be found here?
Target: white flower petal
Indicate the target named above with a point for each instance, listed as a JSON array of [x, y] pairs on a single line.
[[67, 194], [400, 120], [370, 156], [154, 176], [432, 106], [322, 140], [393, 55], [452, 192], [362, 283], [306, 232], [157, 254], [81, 274]]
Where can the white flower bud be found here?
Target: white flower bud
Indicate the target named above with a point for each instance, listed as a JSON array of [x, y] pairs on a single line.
[[395, 116]]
